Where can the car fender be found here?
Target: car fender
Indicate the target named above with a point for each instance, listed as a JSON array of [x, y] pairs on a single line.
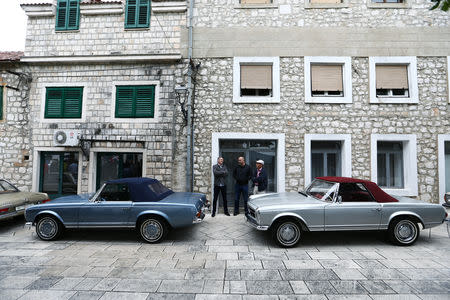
[[48, 212], [155, 212], [405, 213], [291, 214]]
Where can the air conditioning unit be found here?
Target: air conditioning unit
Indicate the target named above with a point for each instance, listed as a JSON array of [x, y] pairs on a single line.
[[66, 138]]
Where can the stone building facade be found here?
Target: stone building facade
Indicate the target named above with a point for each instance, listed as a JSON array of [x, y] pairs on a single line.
[[396, 137], [105, 78]]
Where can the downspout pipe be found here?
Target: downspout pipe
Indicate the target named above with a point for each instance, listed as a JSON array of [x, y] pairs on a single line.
[[189, 154]]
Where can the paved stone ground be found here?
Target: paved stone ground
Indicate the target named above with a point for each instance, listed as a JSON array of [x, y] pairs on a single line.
[[221, 258]]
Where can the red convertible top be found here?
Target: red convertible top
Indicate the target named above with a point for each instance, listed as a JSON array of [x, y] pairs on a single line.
[[379, 195]]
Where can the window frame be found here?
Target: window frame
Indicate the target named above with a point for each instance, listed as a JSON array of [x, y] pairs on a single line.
[[46, 85], [343, 4], [136, 25], [405, 4], [274, 61], [346, 62], [134, 113], [114, 119], [66, 26], [442, 139], [387, 154], [346, 152], [411, 62], [63, 102], [409, 142], [239, 5]]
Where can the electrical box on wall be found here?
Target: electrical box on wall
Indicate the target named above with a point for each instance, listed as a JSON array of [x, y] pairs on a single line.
[[69, 138]]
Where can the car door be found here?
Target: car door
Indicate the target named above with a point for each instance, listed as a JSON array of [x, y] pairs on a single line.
[[111, 208], [354, 209]]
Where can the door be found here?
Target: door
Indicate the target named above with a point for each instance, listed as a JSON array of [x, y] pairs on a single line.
[[357, 209], [117, 165], [251, 150], [447, 166], [110, 209], [59, 173]]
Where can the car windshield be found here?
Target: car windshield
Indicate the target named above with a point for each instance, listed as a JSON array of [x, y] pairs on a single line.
[[6, 187], [322, 190], [94, 196]]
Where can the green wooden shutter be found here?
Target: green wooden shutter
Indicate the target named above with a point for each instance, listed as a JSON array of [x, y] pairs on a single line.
[[54, 103], [145, 101], [73, 98], [130, 17], [1, 102], [143, 13], [67, 14], [73, 15], [124, 102], [63, 102], [137, 14]]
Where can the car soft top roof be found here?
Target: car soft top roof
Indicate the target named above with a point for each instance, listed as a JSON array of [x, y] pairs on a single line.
[[139, 189], [379, 195]]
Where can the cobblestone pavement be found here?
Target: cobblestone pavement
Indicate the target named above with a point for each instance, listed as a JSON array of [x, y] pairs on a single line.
[[219, 259]]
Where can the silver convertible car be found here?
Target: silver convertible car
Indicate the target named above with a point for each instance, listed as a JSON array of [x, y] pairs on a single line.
[[340, 203], [143, 204]]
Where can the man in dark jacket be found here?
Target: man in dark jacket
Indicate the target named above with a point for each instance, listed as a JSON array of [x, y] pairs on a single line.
[[242, 174], [220, 172], [259, 178]]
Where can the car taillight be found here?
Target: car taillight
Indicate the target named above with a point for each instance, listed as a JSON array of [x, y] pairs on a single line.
[[3, 210], [199, 214], [46, 200]]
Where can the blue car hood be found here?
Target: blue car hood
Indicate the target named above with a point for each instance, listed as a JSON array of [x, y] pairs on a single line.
[[81, 198], [183, 198]]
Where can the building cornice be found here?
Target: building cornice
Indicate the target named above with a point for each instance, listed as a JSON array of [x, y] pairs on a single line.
[[101, 58]]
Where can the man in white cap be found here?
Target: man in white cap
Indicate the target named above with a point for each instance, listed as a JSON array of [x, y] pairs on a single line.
[[259, 178]]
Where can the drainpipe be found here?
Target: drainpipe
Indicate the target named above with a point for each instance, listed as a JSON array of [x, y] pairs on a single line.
[[189, 158]]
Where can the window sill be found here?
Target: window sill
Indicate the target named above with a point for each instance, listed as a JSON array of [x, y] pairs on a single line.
[[394, 100], [133, 120], [260, 100], [388, 5], [400, 192], [138, 29], [325, 5], [47, 120], [68, 31], [329, 100], [261, 6]]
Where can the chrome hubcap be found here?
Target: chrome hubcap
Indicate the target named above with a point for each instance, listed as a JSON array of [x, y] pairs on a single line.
[[405, 231], [151, 230], [288, 233], [47, 228]]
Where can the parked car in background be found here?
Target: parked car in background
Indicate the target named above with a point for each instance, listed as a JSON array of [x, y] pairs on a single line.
[[340, 203], [13, 202], [140, 203], [447, 200]]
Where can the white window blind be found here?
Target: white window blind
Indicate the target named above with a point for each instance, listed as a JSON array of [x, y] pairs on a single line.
[[326, 78], [392, 76], [256, 77]]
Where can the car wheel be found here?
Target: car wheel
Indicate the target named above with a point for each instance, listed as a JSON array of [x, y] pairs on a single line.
[[286, 233], [403, 232], [48, 228], [153, 229]]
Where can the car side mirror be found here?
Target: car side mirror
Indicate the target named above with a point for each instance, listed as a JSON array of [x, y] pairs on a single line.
[[339, 199]]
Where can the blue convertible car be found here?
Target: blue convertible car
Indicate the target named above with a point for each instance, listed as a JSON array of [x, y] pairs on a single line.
[[141, 203]]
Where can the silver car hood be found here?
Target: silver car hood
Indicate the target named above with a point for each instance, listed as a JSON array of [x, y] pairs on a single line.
[[283, 199]]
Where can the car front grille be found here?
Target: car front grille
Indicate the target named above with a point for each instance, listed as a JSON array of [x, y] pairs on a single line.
[[252, 213]]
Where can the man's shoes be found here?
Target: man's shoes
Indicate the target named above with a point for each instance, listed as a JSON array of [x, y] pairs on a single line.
[[227, 214], [235, 214], [213, 215]]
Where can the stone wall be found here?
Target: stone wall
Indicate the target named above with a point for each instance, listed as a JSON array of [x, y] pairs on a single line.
[[215, 112], [15, 134]]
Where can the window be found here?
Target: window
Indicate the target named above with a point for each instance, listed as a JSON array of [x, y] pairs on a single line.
[[63, 102], [325, 158], [256, 80], [444, 165], [115, 192], [354, 192], [393, 80], [137, 14], [394, 163], [59, 173], [326, 3], [135, 101], [255, 1], [328, 80], [388, 3], [327, 155], [67, 15], [118, 165], [390, 164]]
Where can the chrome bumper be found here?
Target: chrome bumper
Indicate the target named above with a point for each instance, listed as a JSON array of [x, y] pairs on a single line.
[[29, 224], [199, 220], [252, 223]]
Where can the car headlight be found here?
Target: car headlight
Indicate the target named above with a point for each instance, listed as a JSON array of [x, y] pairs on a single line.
[[258, 215]]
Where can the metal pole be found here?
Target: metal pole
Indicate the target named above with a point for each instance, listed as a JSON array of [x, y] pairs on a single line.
[[189, 173]]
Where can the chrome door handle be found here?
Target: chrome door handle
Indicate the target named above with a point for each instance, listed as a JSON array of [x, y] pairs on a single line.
[[125, 208], [376, 209]]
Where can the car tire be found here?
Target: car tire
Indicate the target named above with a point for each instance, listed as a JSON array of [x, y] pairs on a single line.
[[153, 229], [403, 232], [286, 233], [49, 228]]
